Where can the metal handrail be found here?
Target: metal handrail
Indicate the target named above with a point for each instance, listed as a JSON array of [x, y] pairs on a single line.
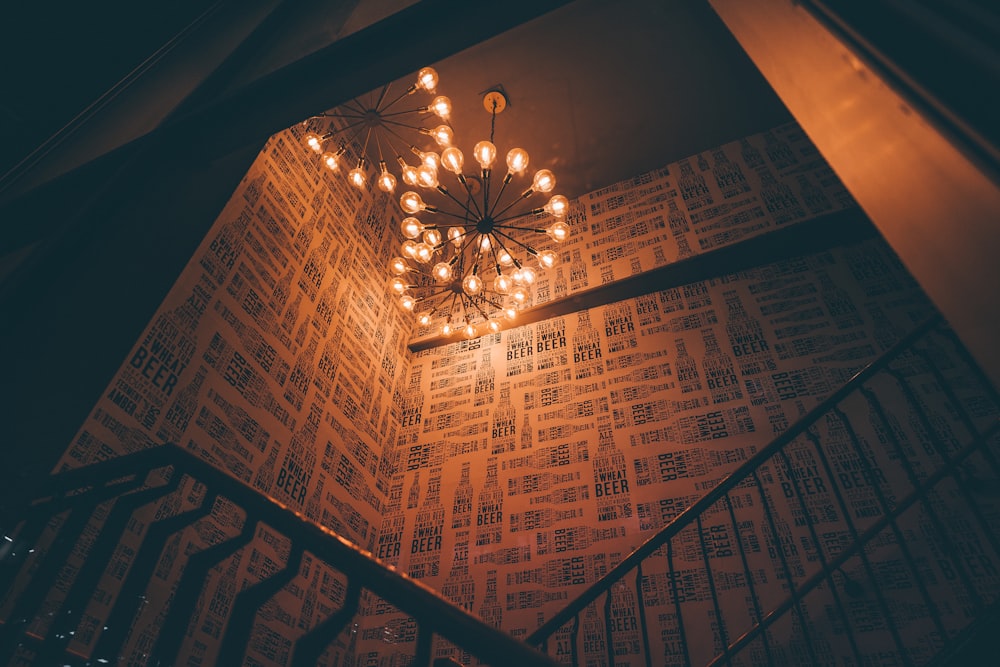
[[691, 514], [434, 613], [927, 380]]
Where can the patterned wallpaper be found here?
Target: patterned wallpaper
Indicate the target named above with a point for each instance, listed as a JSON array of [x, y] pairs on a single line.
[[507, 471]]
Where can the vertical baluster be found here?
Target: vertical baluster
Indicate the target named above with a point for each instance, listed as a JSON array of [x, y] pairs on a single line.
[[55, 558], [425, 640], [310, 646], [192, 582], [37, 517], [574, 637], [642, 615], [677, 604], [897, 533], [246, 604], [723, 638], [974, 433], [985, 384], [822, 557], [932, 514], [129, 600], [862, 554], [609, 642], [780, 548], [751, 587]]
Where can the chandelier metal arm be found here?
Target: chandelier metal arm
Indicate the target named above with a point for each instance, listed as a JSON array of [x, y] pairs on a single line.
[[404, 94], [443, 190], [349, 129], [391, 131], [514, 202], [451, 305], [356, 107], [496, 202], [386, 122], [434, 294], [364, 149], [346, 116], [448, 213], [469, 197], [511, 238], [503, 247], [381, 97], [419, 110], [481, 311], [460, 253]]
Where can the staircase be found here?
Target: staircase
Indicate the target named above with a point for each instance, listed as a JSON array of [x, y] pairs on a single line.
[[93, 507], [917, 430], [902, 460]]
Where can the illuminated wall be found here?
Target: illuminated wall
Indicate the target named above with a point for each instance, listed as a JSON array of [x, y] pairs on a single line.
[[507, 471]]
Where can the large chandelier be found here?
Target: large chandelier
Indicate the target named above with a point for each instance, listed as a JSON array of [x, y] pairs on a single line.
[[377, 117], [469, 261]]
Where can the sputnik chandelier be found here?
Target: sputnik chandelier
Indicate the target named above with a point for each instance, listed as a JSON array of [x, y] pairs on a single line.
[[377, 117], [469, 261]]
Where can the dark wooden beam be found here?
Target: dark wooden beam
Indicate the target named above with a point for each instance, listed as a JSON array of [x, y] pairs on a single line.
[[811, 236]]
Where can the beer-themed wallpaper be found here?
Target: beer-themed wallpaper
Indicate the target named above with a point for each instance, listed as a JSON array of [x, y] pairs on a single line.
[[507, 471]]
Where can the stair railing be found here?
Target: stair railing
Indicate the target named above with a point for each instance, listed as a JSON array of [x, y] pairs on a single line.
[[940, 485], [131, 481]]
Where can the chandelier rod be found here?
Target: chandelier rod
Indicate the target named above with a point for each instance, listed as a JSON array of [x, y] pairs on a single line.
[[511, 238], [385, 91]]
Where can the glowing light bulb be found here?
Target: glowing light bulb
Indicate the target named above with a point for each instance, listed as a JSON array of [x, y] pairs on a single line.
[[427, 78], [447, 329], [485, 153], [331, 161], [407, 302], [452, 159], [313, 141], [398, 266], [423, 253], [411, 227], [557, 206], [432, 237], [517, 161], [510, 313], [441, 272], [431, 159], [485, 244], [472, 284], [427, 176], [411, 202], [519, 295], [424, 318], [544, 181], [397, 285], [443, 135], [547, 259], [357, 177], [386, 181], [527, 275], [558, 231], [469, 330], [455, 235], [494, 326], [502, 284], [409, 174], [441, 106], [504, 258], [410, 249]]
